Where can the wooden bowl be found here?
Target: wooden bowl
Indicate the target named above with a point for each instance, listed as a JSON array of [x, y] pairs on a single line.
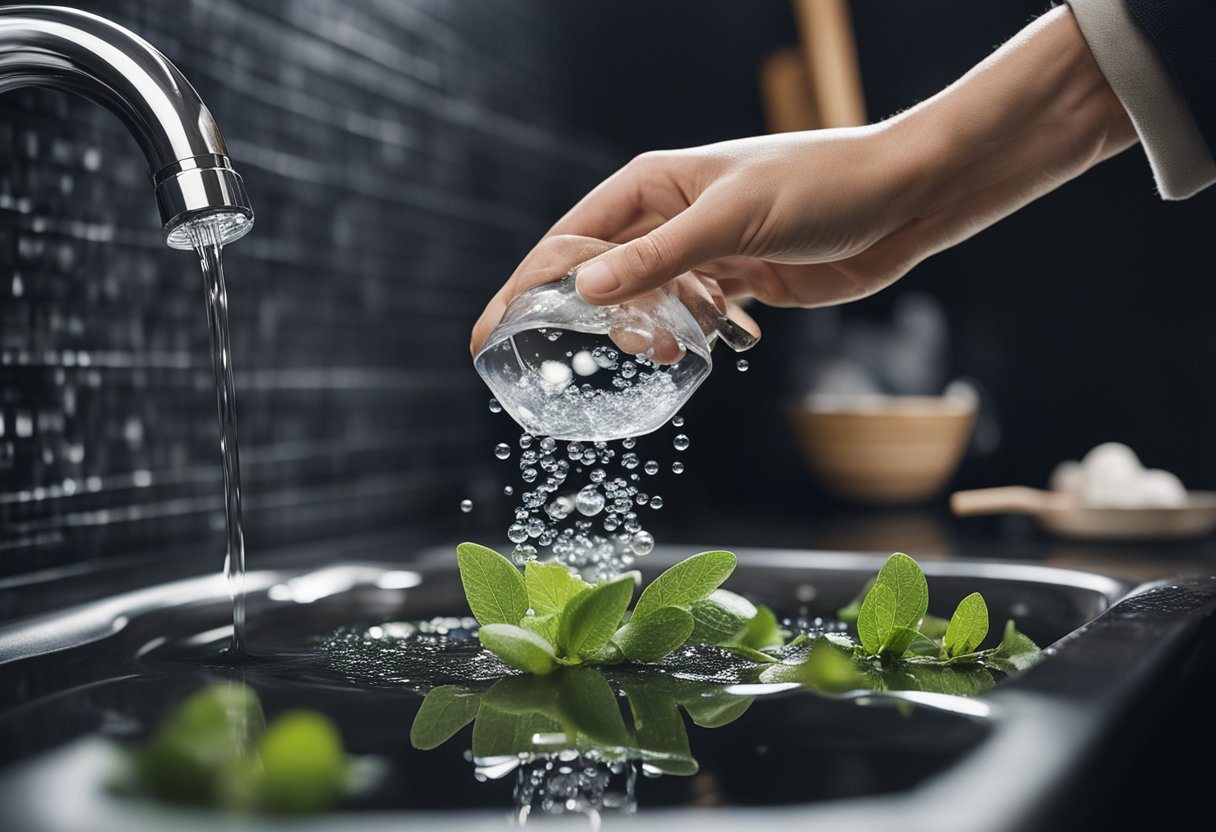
[[883, 449]]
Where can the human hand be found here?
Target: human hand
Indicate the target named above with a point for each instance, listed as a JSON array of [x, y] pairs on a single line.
[[823, 217]]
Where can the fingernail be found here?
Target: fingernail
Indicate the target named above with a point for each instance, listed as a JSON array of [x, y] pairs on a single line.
[[596, 279]]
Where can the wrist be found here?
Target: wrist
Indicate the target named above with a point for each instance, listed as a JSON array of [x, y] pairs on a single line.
[[1035, 114]]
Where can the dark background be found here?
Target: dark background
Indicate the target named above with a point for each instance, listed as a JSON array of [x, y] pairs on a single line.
[[401, 158]]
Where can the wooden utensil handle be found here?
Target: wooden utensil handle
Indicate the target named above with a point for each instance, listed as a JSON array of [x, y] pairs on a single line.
[[1011, 498]]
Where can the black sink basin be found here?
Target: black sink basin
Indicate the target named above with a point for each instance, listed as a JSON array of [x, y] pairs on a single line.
[[1031, 753]]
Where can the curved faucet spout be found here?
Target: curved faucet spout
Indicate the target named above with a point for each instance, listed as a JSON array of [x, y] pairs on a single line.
[[67, 49]]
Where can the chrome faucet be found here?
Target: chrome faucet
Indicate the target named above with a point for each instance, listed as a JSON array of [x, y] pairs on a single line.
[[67, 49]]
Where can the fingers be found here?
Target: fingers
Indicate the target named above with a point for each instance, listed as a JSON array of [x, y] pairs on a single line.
[[640, 336], [552, 259], [640, 196], [689, 239]]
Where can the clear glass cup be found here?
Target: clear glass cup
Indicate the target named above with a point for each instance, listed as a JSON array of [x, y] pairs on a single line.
[[565, 368]]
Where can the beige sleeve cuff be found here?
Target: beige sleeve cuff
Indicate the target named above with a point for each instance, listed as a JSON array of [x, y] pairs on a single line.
[[1177, 153]]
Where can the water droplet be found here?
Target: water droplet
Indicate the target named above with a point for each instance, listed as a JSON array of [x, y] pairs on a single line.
[[554, 335], [741, 365], [560, 508], [508, 490], [630, 461], [651, 467], [677, 467], [656, 501], [525, 441], [628, 443], [502, 450], [680, 442], [529, 474], [678, 422], [466, 506], [524, 554], [548, 444], [517, 533], [642, 543], [605, 357], [589, 501], [598, 475], [495, 407]]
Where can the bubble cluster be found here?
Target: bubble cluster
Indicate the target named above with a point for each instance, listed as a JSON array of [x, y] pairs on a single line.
[[580, 503]]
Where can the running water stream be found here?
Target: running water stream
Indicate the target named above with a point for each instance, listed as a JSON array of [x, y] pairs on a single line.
[[205, 236]]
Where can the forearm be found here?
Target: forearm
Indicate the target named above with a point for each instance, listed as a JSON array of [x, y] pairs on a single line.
[[1035, 114]]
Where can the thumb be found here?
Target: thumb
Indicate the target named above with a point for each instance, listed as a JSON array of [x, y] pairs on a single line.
[[634, 268]]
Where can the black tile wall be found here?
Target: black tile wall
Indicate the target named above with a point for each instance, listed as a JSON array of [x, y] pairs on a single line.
[[400, 156]]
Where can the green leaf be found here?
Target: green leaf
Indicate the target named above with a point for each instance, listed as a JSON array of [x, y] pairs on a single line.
[[519, 648], [303, 764], [551, 586], [968, 626], [445, 710], [898, 641], [720, 618], [588, 701], [593, 616], [1015, 653], [763, 630], [716, 710], [876, 619], [493, 586], [652, 637], [906, 580], [501, 733], [751, 654], [544, 626], [661, 736], [687, 582], [956, 681]]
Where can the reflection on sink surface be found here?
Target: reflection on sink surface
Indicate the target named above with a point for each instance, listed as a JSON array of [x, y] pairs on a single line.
[[85, 683]]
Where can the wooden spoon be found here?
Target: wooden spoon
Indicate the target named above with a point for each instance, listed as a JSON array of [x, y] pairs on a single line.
[[1060, 514]]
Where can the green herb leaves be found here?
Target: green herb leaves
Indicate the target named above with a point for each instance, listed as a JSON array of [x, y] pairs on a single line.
[[493, 586], [892, 625], [891, 612], [549, 617], [968, 626], [650, 638], [519, 648], [591, 617], [687, 582]]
